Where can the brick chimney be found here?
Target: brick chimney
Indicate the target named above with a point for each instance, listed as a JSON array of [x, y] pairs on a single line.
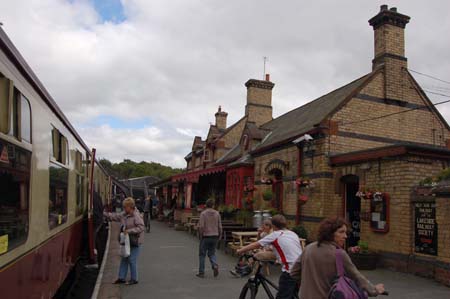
[[221, 119], [259, 100], [389, 32]]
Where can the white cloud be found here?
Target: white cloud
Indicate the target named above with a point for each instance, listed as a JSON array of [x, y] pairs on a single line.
[[177, 61]]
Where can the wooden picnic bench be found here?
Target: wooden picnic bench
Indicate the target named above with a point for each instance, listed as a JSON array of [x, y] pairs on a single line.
[[192, 224]]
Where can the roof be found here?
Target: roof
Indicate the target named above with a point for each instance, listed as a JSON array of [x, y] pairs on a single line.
[[398, 149], [246, 159], [231, 155], [308, 116]]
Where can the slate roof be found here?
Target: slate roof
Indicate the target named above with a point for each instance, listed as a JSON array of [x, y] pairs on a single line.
[[306, 117], [231, 155]]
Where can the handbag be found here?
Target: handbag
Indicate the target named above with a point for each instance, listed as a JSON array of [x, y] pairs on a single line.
[[344, 287], [134, 240]]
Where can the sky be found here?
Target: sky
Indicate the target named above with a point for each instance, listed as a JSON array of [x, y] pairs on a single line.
[[140, 78]]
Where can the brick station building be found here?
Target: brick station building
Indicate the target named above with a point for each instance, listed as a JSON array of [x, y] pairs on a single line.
[[357, 152]]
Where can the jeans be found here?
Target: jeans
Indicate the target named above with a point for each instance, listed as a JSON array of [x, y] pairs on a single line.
[[129, 261], [208, 246], [287, 287]]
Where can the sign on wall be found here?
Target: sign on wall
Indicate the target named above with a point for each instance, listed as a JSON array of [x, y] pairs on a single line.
[[425, 228]]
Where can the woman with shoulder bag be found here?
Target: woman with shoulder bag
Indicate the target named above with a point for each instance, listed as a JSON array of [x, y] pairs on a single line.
[[132, 225], [317, 267]]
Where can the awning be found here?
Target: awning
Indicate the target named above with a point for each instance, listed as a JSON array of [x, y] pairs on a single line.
[[194, 176]]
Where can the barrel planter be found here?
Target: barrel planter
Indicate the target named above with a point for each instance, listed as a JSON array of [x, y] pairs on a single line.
[[364, 261]]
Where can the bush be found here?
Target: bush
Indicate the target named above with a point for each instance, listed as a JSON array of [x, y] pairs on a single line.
[[364, 246], [300, 231]]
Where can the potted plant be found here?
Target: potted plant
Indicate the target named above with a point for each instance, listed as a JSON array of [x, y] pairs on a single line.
[[362, 257], [267, 195]]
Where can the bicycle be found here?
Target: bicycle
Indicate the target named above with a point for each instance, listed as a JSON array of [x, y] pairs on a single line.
[[147, 221], [250, 289]]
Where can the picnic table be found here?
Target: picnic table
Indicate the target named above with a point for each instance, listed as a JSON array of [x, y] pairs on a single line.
[[242, 238], [192, 224]]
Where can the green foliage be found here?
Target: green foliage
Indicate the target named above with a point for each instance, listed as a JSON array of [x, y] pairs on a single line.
[[267, 195], [300, 231], [130, 169], [364, 246], [444, 175], [245, 217], [272, 211], [226, 209]]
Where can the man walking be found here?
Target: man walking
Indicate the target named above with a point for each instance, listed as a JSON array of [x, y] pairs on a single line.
[[210, 230], [287, 249]]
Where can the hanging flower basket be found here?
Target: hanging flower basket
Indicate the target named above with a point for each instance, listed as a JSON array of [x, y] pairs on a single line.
[[266, 181], [303, 198], [304, 182]]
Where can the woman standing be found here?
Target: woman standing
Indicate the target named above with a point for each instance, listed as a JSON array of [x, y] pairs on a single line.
[[133, 225], [316, 268]]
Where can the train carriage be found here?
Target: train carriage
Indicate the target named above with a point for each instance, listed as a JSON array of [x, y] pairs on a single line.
[[49, 179]]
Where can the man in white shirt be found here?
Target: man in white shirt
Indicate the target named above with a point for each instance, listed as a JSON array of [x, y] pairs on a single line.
[[287, 249]]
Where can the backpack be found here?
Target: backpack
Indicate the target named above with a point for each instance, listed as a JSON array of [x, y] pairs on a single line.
[[344, 287]]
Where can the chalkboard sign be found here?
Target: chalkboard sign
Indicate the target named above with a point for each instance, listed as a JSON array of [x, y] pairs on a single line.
[[425, 228]]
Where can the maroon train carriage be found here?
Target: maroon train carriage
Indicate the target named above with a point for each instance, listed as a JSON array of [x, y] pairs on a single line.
[[49, 180]]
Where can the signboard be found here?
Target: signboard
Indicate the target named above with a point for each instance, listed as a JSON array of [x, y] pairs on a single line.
[[3, 244], [425, 228]]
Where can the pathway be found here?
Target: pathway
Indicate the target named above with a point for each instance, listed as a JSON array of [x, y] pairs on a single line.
[[168, 264]]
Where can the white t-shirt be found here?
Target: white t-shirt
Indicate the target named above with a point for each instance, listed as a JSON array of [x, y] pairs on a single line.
[[287, 247]]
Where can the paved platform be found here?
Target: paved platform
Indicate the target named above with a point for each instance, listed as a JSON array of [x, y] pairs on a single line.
[[168, 264]]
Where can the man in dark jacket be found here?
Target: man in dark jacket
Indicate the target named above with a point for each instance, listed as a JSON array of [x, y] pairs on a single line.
[[210, 230]]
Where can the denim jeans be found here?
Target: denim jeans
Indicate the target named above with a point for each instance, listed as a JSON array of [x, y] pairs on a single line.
[[287, 287], [207, 246], [130, 261]]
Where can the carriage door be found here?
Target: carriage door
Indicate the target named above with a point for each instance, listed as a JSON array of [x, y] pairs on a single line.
[[352, 208]]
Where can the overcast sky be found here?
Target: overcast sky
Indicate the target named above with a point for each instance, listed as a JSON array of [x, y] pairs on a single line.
[[139, 78]]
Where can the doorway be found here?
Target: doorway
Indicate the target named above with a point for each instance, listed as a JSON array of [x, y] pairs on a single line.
[[277, 189], [352, 208]]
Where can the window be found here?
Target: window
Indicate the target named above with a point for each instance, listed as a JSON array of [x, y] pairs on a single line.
[[6, 95], [206, 155], [25, 119], [15, 112], [80, 179], [57, 211], [14, 195], [60, 147]]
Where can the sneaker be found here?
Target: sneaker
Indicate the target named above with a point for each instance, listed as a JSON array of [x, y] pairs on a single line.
[[200, 275], [216, 270], [119, 281], [131, 282]]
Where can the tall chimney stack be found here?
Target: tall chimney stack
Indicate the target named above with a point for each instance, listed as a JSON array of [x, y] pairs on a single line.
[[259, 100], [221, 119], [389, 37]]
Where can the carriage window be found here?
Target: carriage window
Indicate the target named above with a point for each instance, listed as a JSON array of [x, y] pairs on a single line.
[[79, 183], [25, 119], [57, 211], [60, 147], [6, 94], [14, 197]]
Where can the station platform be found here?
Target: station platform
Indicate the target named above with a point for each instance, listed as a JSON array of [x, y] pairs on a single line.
[[168, 263]]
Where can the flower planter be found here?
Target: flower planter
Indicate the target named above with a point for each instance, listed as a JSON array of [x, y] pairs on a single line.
[[364, 261]]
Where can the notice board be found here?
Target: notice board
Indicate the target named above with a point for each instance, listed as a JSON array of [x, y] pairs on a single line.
[[425, 228]]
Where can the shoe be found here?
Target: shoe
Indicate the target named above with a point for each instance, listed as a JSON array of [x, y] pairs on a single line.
[[131, 282], [200, 275], [234, 273], [119, 281], [216, 270]]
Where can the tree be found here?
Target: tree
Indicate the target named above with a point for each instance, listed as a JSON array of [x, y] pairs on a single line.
[[130, 169]]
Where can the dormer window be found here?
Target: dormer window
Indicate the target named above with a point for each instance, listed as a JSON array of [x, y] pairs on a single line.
[[207, 156]]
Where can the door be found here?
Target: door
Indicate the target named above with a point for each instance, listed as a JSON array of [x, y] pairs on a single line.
[[352, 209]]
